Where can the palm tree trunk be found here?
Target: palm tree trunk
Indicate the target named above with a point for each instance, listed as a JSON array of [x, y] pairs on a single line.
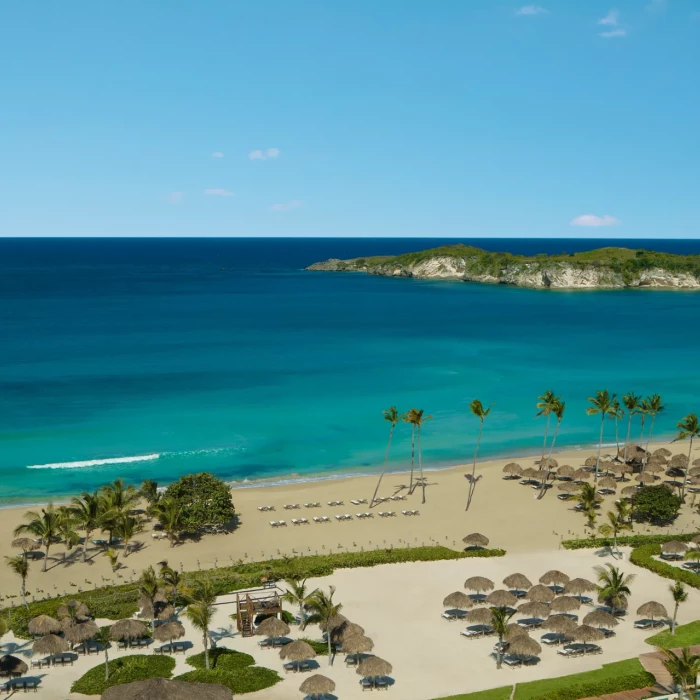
[[617, 435], [651, 430], [641, 434], [205, 639], [106, 662], [85, 543], [543, 490], [685, 477], [24, 593], [46, 555], [499, 656], [673, 621], [600, 445], [544, 443], [413, 451], [629, 430], [330, 651], [476, 452], [420, 466], [386, 459]]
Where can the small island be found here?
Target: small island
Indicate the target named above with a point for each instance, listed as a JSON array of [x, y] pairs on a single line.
[[603, 268]]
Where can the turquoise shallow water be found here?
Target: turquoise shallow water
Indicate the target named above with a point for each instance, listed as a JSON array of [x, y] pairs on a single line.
[[113, 350]]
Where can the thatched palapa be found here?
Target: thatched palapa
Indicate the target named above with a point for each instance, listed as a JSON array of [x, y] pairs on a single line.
[[297, 651], [662, 452], [579, 586], [480, 584], [512, 469], [501, 599], [317, 685], [586, 633], [169, 631], [163, 689], [50, 644], [12, 666], [554, 578], [357, 644], [272, 627], [652, 609], [540, 594], [565, 604], [73, 609], [674, 547], [561, 624], [77, 634], [535, 610], [581, 475], [458, 600], [565, 471], [43, 624], [476, 539], [26, 544], [524, 646], [569, 487], [607, 483], [127, 629], [373, 667], [518, 582], [479, 616], [600, 618]]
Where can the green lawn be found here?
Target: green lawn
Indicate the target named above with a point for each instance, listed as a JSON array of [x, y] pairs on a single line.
[[535, 689], [686, 635]]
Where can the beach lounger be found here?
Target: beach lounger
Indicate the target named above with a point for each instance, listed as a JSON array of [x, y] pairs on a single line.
[[274, 523], [296, 522], [367, 684], [339, 517], [552, 638], [325, 519], [648, 624], [569, 652], [318, 520], [381, 684], [281, 523], [304, 521], [355, 503], [406, 512]]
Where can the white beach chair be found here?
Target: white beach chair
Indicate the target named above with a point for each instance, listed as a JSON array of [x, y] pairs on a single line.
[[274, 523], [281, 523], [338, 517], [325, 519], [296, 522], [355, 503], [303, 521], [318, 520]]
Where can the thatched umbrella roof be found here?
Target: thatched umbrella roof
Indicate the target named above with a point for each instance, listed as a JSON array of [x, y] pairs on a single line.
[[345, 630], [696, 462], [169, 631], [605, 467], [501, 599], [652, 609], [528, 472], [27, 544], [166, 613], [541, 476], [127, 629], [654, 468], [568, 487], [586, 633], [164, 689], [272, 627], [479, 584], [674, 547], [317, 685], [476, 539], [540, 594], [518, 582], [600, 618], [629, 490], [634, 453], [81, 632], [513, 468], [333, 624], [619, 468], [607, 482], [298, 650], [581, 475], [554, 578], [694, 471], [564, 604], [579, 586], [50, 644], [662, 452], [374, 666], [479, 616], [12, 665], [561, 624], [514, 630], [524, 646], [539, 610], [550, 463], [657, 459], [43, 624], [591, 461], [458, 600], [645, 478], [357, 644], [679, 461], [73, 609], [565, 471]]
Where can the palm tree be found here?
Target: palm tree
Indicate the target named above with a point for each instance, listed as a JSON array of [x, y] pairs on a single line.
[[103, 639], [113, 557], [175, 582], [499, 621], [148, 587], [393, 416], [480, 412], [126, 528], [643, 412], [616, 524], [679, 595], [66, 527], [416, 418], [613, 586], [298, 594], [200, 612], [86, 511], [43, 524], [545, 406], [322, 610], [689, 427], [149, 491], [558, 410], [654, 407], [623, 508], [616, 413], [684, 669], [601, 404], [409, 418], [117, 499], [631, 402], [169, 515], [20, 566]]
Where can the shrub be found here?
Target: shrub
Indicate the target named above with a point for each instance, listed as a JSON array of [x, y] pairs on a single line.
[[321, 648], [204, 499], [244, 680], [631, 540], [656, 504], [605, 687], [220, 657], [644, 556], [126, 669]]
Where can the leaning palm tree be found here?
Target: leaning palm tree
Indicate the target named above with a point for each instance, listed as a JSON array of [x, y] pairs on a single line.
[[43, 524], [631, 402], [500, 617], [200, 612], [601, 404], [643, 413], [558, 410], [477, 409], [684, 669], [689, 427], [175, 582], [298, 594], [616, 413], [613, 586], [545, 407], [416, 418], [148, 588], [127, 528], [20, 566], [654, 407], [120, 496], [322, 610], [679, 595], [86, 510], [169, 515], [617, 522], [393, 416]]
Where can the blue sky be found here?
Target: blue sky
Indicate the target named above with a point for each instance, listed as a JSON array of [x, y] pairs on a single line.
[[363, 118]]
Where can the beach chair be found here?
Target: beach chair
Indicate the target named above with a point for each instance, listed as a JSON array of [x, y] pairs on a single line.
[[648, 624], [281, 523], [274, 523], [362, 500], [296, 522], [303, 521], [347, 516], [339, 517], [318, 520], [366, 684], [405, 512], [355, 502], [325, 519]]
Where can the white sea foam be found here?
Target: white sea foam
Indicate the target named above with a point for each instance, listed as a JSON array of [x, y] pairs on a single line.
[[95, 462]]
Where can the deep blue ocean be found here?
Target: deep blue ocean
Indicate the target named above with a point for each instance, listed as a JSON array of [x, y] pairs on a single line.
[[225, 355]]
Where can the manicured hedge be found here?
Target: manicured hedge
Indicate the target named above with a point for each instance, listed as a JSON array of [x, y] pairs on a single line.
[[220, 657], [631, 540], [126, 669], [644, 556], [593, 690], [244, 680]]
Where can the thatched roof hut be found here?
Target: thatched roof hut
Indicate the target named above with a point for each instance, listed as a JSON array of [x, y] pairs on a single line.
[[26, 544], [662, 452], [346, 629], [74, 609], [645, 478], [169, 631], [514, 630], [50, 644], [652, 609], [298, 650], [480, 584], [674, 547], [43, 624], [540, 594], [565, 471], [501, 599], [629, 491], [12, 666], [569, 487], [357, 644], [635, 454], [479, 616], [81, 632], [333, 624], [579, 586], [607, 483], [317, 685], [518, 582], [458, 600], [564, 604], [654, 468], [524, 646], [679, 461], [476, 539], [554, 578], [561, 624], [272, 627], [538, 610], [127, 629], [373, 667], [581, 475], [600, 618], [164, 689], [513, 469], [591, 461], [586, 633]]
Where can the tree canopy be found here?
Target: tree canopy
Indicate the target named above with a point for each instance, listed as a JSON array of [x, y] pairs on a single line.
[[203, 498], [656, 505]]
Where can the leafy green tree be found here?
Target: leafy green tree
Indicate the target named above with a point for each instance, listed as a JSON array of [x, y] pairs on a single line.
[[116, 499], [601, 404], [322, 609], [20, 566], [500, 617], [654, 407], [688, 428], [44, 525], [684, 669], [298, 594], [545, 407], [679, 595], [66, 527], [657, 505], [613, 586], [631, 402], [203, 499], [393, 416], [86, 510], [169, 515], [616, 524], [478, 410], [149, 491]]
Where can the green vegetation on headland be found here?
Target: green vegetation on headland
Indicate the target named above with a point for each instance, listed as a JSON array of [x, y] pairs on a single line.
[[603, 267]]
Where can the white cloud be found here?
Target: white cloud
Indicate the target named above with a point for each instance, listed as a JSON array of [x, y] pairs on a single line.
[[175, 197], [613, 33], [219, 192], [611, 19], [287, 206], [264, 155], [595, 221], [531, 10], [217, 154]]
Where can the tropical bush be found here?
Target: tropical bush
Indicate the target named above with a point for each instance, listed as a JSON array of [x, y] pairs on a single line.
[[630, 540], [644, 556], [203, 498], [656, 504], [243, 680], [593, 690], [220, 657], [321, 648], [126, 669]]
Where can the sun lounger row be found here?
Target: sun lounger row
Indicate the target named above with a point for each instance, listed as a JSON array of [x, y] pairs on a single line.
[[410, 512], [579, 650], [312, 505], [358, 501], [515, 660], [322, 519], [387, 514], [647, 624], [300, 521], [372, 683], [158, 535], [336, 503], [278, 523], [291, 506], [365, 515], [264, 509], [475, 631], [347, 516]]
